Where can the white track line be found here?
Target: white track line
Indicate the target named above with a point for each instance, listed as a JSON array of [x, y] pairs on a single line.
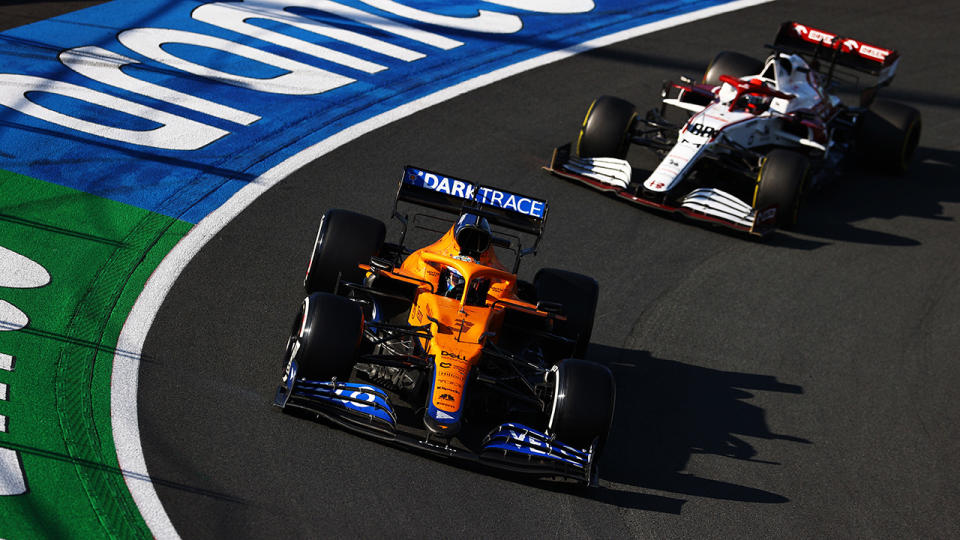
[[123, 402]]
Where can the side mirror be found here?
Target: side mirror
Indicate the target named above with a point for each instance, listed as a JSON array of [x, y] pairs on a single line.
[[381, 264], [550, 307]]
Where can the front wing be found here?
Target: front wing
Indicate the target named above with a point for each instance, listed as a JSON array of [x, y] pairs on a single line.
[[366, 409], [704, 204]]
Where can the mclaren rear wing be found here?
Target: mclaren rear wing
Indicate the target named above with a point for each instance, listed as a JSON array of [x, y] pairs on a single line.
[[453, 195], [847, 52]]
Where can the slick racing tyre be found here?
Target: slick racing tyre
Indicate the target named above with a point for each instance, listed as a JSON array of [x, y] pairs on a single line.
[[345, 239], [325, 336], [782, 179], [733, 64], [888, 135], [606, 128], [578, 296], [583, 402]]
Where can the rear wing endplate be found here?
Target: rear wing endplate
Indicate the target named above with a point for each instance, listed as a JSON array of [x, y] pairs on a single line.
[[453, 195], [847, 52]]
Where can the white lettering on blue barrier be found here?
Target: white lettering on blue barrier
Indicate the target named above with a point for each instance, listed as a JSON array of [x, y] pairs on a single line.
[[174, 132], [104, 66], [237, 16], [300, 78], [488, 22]]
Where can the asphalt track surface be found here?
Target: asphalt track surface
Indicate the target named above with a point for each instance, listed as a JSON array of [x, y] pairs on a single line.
[[806, 386]]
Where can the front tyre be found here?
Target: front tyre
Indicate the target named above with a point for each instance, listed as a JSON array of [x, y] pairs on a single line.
[[583, 403], [325, 336], [606, 128], [578, 295], [345, 240], [888, 135], [782, 179]]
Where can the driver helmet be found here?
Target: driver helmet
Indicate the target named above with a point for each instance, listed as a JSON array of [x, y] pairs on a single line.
[[451, 282], [472, 233], [757, 103]]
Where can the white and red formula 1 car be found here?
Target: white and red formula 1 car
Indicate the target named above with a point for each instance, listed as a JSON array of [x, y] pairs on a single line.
[[759, 135]]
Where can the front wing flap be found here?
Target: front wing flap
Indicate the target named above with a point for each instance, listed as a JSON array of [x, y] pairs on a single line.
[[517, 445], [711, 205], [367, 409]]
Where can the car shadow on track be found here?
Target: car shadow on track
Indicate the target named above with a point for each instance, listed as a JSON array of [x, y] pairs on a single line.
[[832, 214], [667, 411]]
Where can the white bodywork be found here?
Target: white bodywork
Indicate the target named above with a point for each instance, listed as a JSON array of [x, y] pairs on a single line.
[[726, 123], [720, 122]]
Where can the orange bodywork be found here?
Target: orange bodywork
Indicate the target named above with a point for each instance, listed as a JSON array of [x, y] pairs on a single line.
[[459, 326]]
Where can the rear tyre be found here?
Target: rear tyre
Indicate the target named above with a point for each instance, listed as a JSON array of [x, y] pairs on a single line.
[[583, 403], [578, 295], [888, 135], [733, 64], [345, 239], [326, 333], [782, 179], [606, 128]]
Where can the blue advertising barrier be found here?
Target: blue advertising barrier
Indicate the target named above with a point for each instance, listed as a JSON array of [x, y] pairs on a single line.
[[173, 106]]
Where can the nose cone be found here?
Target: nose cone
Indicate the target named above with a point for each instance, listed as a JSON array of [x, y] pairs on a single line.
[[437, 423]]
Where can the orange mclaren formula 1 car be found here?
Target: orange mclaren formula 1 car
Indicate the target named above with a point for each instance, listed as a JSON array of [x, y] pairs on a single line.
[[442, 349]]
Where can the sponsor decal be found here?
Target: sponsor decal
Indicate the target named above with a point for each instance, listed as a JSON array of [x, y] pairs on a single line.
[[701, 130], [461, 325], [466, 190], [847, 45], [685, 140], [452, 355]]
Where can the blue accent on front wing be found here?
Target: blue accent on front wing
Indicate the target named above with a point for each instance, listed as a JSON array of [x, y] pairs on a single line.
[[359, 398], [189, 184], [522, 440]]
